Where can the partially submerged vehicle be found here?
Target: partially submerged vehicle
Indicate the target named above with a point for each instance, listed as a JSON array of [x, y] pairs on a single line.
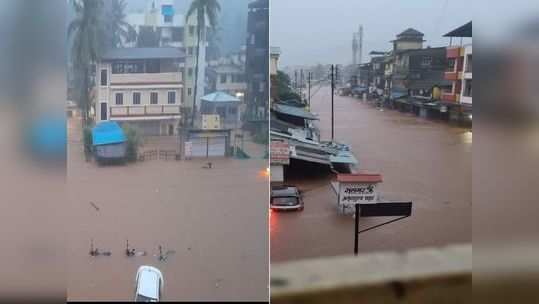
[[286, 198], [149, 284]]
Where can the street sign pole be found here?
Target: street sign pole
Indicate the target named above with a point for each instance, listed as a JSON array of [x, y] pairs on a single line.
[[356, 235]]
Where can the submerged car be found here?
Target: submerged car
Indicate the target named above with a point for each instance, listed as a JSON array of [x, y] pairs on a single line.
[[286, 198], [149, 284]]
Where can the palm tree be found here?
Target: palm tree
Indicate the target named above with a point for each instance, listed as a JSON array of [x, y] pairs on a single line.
[[118, 29], [87, 34], [202, 9]]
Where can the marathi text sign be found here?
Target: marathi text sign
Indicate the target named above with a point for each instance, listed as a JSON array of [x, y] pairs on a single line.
[[357, 193], [279, 153]]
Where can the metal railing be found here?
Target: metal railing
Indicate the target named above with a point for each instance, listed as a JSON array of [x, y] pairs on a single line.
[[144, 110]]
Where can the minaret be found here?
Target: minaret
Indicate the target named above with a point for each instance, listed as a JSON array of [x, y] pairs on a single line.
[[360, 44], [354, 49]]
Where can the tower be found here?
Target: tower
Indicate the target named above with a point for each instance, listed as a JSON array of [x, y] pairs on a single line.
[[354, 49], [360, 34]]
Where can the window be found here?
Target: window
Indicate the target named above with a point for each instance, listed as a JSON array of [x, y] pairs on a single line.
[[190, 50], [451, 64], [426, 61], [152, 66], [223, 78], [188, 91], [469, 64], [136, 98], [128, 67], [104, 81], [191, 30], [168, 18], [190, 72], [119, 98], [153, 98], [468, 88], [171, 97]]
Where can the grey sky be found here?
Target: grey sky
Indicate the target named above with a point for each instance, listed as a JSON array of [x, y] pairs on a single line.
[[320, 31]]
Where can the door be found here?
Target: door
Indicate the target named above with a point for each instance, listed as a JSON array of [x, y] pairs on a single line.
[[170, 129], [104, 111], [216, 146]]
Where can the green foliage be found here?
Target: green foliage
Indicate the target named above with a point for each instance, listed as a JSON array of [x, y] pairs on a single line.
[[87, 141], [133, 142], [284, 91]]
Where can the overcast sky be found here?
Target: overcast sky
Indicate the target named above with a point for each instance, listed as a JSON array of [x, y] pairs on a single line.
[[320, 31]]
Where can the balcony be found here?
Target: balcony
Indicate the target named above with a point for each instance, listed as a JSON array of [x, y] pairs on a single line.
[[453, 52], [453, 75], [450, 97], [146, 78], [144, 111]]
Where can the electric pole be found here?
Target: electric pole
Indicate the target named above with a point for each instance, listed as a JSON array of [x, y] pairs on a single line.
[[332, 95], [309, 89]]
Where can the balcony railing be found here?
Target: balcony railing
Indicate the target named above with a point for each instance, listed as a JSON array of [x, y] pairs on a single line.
[[144, 110], [146, 78], [450, 97]]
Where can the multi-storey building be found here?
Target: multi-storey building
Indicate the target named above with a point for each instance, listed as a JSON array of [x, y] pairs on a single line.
[[173, 30], [458, 97], [257, 63], [142, 87]]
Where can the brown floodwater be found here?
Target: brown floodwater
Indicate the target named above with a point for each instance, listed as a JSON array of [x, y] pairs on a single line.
[[214, 221], [427, 162]]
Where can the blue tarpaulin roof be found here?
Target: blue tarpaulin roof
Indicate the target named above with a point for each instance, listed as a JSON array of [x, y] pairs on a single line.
[[107, 132]]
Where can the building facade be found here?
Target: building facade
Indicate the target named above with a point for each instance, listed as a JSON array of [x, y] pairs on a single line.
[[257, 65], [142, 87]]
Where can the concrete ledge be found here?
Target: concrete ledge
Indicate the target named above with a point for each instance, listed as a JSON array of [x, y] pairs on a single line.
[[430, 275]]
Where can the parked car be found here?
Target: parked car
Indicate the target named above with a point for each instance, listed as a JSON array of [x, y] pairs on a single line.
[[344, 91], [286, 198], [149, 284]]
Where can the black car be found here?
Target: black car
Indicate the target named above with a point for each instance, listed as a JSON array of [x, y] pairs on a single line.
[[286, 198]]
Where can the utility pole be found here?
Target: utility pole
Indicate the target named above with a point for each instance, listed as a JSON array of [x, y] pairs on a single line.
[[309, 89], [301, 82], [332, 108], [296, 80]]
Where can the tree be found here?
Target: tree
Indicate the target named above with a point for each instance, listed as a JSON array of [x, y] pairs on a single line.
[[118, 30], [284, 90], [202, 9], [87, 33]]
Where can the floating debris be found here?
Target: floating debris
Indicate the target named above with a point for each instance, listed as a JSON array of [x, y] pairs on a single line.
[[95, 206], [208, 165], [96, 252]]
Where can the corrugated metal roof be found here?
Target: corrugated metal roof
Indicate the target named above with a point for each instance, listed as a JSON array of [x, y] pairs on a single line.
[[107, 132], [219, 97], [143, 53], [293, 111], [462, 31]]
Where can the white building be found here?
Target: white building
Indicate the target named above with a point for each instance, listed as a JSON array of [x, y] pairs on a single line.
[[175, 31], [141, 86], [466, 92]]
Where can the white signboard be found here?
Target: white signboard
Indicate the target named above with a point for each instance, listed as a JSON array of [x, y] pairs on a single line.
[[279, 153], [188, 149], [354, 193]]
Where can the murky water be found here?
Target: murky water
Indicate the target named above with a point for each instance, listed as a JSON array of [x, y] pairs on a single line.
[[215, 220], [427, 162]]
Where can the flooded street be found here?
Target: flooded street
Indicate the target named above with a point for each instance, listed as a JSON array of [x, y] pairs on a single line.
[[427, 162], [214, 222]]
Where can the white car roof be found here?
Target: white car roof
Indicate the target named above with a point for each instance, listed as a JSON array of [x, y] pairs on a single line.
[[148, 282]]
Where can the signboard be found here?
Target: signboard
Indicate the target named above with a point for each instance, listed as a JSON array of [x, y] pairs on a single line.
[[386, 209], [279, 153], [211, 122], [357, 193], [188, 149]]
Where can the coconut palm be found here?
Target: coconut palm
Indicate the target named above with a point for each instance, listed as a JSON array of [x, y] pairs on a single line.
[[118, 29], [87, 34], [202, 9]]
